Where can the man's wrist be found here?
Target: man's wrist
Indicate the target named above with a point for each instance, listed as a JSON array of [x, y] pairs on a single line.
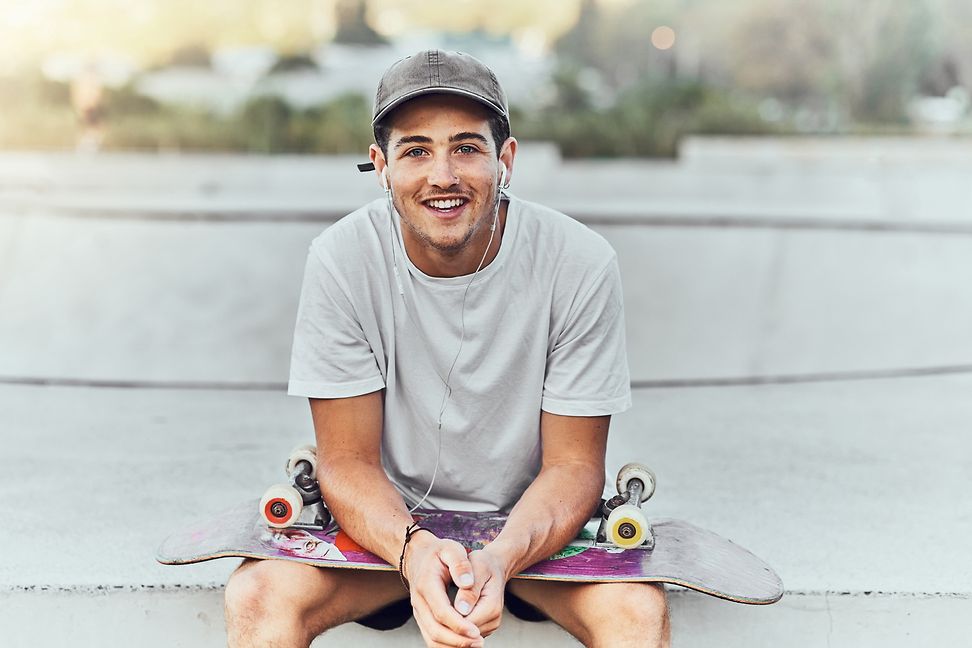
[[505, 555], [415, 539]]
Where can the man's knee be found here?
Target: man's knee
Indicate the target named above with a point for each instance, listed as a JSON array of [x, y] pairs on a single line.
[[647, 603], [631, 609], [247, 591], [639, 601], [291, 603], [266, 594]]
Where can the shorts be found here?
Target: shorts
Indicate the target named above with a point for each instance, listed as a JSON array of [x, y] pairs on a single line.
[[398, 613]]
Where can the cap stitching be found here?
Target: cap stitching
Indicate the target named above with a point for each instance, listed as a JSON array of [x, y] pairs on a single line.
[[488, 92]]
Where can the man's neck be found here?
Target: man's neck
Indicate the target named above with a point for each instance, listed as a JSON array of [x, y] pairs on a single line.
[[436, 263]]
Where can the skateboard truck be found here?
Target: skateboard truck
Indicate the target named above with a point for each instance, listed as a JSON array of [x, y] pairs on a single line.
[[623, 523], [297, 504]]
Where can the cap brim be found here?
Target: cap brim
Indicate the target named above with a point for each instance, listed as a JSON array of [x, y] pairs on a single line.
[[500, 110]]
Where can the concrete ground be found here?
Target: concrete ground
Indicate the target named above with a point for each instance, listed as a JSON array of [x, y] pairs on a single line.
[[798, 335]]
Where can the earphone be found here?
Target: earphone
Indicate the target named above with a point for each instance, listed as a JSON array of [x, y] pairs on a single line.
[[499, 187], [447, 394]]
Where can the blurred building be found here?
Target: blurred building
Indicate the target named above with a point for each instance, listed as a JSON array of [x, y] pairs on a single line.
[[236, 75]]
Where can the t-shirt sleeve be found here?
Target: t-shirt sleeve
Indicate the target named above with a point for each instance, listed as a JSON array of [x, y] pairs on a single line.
[[331, 356], [587, 365]]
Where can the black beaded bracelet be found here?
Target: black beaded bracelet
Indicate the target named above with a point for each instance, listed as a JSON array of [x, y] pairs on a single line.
[[409, 532]]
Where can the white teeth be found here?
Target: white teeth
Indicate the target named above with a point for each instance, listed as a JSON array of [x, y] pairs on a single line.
[[445, 204]]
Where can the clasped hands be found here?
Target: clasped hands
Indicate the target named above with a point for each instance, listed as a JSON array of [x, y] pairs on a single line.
[[431, 565]]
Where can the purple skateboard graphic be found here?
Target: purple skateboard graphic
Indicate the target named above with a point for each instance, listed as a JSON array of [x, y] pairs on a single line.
[[683, 554]]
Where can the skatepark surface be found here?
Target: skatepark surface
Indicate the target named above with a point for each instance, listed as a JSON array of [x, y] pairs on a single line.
[[797, 317]]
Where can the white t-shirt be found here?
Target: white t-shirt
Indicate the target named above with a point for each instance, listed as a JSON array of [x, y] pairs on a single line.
[[544, 330]]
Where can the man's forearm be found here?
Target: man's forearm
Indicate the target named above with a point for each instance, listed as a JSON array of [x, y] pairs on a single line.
[[366, 505], [354, 484], [549, 514]]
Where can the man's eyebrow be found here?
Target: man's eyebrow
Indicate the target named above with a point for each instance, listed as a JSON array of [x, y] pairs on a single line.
[[413, 139], [458, 137]]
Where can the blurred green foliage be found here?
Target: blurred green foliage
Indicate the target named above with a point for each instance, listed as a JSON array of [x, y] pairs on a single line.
[[264, 125], [35, 113], [743, 68], [647, 119]]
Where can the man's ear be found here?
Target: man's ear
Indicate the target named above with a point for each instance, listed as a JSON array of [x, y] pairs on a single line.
[[381, 167], [506, 157]]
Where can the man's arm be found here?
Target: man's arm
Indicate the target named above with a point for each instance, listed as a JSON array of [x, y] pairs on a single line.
[[548, 515], [353, 482], [371, 510]]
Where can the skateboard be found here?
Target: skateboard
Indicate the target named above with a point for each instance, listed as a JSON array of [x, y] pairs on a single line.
[[619, 543]]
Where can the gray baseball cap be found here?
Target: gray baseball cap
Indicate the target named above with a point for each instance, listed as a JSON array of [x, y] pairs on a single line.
[[437, 72]]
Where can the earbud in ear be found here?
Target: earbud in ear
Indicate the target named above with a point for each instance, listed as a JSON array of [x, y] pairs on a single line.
[[384, 178], [502, 182]]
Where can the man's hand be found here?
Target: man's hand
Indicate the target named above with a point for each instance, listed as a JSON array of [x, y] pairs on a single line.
[[485, 598], [431, 564]]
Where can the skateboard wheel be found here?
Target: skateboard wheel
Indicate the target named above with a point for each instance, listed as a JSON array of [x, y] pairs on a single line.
[[303, 453], [636, 471], [281, 506], [627, 526]]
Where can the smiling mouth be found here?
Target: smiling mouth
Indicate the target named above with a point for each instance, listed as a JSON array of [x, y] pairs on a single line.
[[445, 205]]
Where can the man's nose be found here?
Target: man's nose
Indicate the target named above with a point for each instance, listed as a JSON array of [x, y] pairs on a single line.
[[442, 173]]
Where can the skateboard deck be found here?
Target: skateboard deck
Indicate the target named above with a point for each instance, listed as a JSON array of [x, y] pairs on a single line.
[[683, 554]]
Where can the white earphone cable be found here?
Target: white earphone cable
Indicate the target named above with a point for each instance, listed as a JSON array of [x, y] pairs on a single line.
[[447, 394]]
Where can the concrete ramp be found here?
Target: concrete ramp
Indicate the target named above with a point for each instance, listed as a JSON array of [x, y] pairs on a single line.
[[798, 336], [851, 491]]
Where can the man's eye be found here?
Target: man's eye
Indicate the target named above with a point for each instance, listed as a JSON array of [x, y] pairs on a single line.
[[466, 148], [414, 153]]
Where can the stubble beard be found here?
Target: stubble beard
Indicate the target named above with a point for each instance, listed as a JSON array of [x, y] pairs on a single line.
[[454, 246]]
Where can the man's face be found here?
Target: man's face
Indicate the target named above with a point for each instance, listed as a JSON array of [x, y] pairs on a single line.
[[443, 170]]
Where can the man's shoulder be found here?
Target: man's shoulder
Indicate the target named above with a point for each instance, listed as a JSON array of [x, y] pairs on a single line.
[[351, 234], [555, 231]]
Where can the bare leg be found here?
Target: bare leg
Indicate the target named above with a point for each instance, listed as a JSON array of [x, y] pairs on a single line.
[[287, 604], [603, 614]]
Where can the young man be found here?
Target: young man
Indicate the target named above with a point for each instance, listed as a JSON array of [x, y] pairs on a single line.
[[460, 349]]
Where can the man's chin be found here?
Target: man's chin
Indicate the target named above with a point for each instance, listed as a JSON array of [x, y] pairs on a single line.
[[448, 246], [449, 242]]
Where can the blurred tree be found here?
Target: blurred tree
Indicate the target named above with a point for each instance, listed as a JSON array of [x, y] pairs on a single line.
[[781, 50], [570, 93], [264, 120], [340, 126], [817, 64], [648, 119], [193, 55], [150, 30], [862, 59], [35, 113], [127, 101], [940, 77], [546, 18], [579, 44], [882, 46], [352, 25], [54, 93], [954, 21], [293, 63], [615, 40]]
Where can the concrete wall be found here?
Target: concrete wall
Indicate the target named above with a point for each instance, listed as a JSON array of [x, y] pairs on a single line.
[[104, 299]]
